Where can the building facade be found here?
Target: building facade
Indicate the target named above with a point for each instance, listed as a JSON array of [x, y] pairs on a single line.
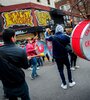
[[73, 16], [26, 18], [41, 2]]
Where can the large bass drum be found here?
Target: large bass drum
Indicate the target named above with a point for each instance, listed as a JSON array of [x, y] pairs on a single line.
[[80, 39]]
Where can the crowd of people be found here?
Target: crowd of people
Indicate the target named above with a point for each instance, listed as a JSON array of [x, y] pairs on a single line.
[[13, 58]]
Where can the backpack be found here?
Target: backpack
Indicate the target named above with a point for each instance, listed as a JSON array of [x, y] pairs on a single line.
[[67, 47]]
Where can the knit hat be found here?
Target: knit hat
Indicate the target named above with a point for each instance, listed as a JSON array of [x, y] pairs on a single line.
[[59, 28]]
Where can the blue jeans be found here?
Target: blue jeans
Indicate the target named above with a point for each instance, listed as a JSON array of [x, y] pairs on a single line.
[[39, 61], [21, 91], [34, 66]]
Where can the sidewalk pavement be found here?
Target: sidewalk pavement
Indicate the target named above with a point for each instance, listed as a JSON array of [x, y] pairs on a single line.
[[47, 85]]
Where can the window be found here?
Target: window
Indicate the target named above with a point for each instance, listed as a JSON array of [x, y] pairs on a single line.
[[65, 7], [38, 0], [48, 2]]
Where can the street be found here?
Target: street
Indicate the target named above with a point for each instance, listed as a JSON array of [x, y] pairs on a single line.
[[47, 85]]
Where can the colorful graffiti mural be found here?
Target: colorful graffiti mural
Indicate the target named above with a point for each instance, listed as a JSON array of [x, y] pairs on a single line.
[[19, 17], [42, 17]]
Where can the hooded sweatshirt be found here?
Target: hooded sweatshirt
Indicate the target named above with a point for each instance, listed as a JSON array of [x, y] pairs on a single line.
[[59, 50]]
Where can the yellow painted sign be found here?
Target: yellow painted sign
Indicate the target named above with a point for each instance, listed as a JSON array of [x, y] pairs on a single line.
[[42, 17], [19, 17]]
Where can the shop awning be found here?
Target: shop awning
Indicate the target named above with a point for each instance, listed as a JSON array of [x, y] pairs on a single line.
[[30, 30], [57, 12]]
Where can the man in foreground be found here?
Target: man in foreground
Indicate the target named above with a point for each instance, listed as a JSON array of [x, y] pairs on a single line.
[[12, 60]]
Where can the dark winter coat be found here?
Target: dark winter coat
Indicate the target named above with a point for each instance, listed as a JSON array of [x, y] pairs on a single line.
[[12, 59]]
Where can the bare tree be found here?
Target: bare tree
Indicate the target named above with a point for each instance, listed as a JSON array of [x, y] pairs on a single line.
[[83, 7]]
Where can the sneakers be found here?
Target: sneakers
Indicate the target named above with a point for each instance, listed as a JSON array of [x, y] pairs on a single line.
[[36, 75], [72, 84], [72, 68], [38, 68], [30, 68], [63, 86], [32, 77], [77, 67]]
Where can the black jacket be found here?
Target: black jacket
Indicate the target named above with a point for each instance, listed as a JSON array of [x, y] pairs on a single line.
[[59, 50], [12, 60]]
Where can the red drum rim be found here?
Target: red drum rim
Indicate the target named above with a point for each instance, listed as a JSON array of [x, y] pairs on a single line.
[[77, 38]]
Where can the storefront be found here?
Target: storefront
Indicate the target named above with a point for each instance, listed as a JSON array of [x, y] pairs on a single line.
[[25, 18]]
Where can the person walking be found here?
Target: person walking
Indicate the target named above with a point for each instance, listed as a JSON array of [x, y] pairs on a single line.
[[73, 56], [12, 60], [49, 46], [31, 51], [73, 61], [60, 54]]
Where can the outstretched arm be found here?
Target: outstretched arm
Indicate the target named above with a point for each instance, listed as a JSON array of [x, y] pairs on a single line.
[[47, 36]]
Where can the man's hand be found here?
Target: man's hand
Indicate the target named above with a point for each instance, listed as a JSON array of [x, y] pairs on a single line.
[[36, 37], [36, 48], [29, 57]]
